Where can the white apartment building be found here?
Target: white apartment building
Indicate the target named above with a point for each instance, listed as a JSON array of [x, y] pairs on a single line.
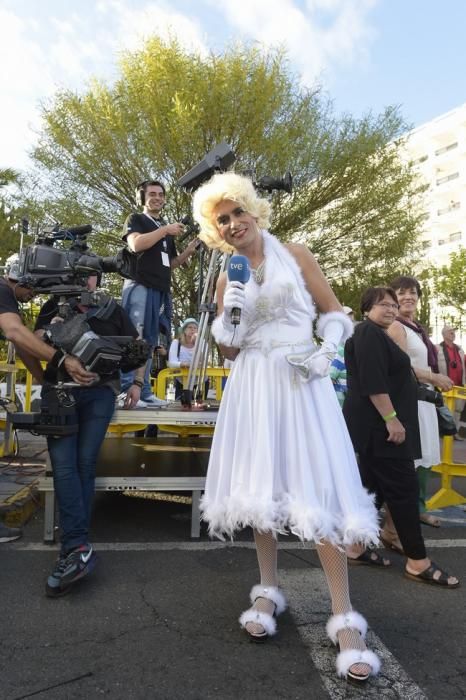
[[438, 149]]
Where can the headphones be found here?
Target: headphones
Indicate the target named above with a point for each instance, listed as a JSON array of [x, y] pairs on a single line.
[[140, 193], [141, 190]]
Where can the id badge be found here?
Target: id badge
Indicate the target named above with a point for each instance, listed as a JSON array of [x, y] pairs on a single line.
[[165, 259]]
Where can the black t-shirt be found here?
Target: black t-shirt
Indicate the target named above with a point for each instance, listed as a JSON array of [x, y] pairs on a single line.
[[119, 323], [8, 301], [151, 270], [375, 364]]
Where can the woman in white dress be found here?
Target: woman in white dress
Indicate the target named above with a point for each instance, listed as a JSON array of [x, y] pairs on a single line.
[[281, 459], [412, 338]]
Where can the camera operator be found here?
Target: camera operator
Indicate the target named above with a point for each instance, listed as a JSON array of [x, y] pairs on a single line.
[[29, 348], [73, 457], [149, 236]]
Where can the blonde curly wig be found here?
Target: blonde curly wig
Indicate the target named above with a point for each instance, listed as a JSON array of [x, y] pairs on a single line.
[[223, 186]]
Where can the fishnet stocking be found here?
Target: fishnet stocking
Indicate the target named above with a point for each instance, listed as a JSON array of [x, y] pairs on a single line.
[[335, 567], [266, 550]]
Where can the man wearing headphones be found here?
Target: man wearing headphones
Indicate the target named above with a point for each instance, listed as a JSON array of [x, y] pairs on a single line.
[[147, 295]]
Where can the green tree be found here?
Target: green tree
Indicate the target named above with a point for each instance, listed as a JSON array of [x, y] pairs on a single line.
[[424, 314], [449, 283], [354, 201]]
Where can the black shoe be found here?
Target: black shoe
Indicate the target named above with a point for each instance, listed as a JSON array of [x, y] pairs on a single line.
[[9, 534], [70, 568]]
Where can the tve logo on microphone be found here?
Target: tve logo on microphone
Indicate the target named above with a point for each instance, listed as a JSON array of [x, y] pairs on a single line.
[[238, 271]]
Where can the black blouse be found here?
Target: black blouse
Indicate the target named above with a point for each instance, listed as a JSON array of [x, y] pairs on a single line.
[[375, 364]]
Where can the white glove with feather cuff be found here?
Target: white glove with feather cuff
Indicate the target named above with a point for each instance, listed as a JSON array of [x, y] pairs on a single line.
[[333, 327]]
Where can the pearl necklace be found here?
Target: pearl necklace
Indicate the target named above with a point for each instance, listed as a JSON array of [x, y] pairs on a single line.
[[259, 272]]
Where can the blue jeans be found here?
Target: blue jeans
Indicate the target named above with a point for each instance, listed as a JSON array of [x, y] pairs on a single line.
[[133, 301], [73, 459]]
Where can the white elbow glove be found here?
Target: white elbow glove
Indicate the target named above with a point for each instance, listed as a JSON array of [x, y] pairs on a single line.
[[334, 327], [314, 364]]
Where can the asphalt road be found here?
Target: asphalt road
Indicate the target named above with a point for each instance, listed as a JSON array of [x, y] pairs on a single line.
[[158, 617]]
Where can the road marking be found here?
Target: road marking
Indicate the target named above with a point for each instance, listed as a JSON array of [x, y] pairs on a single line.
[[194, 546], [309, 603]]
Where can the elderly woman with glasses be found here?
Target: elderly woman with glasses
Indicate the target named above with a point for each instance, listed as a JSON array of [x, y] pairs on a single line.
[[382, 417]]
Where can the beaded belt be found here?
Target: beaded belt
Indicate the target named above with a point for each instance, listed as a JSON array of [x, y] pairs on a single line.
[[266, 348]]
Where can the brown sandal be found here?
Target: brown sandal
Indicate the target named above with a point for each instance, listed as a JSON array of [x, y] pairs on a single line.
[[370, 558], [427, 576]]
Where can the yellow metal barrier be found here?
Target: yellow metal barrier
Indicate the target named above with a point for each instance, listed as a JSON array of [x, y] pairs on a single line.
[[446, 495], [216, 375], [9, 368]]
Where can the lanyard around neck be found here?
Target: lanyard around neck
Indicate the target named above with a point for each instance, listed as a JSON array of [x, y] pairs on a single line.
[[157, 222]]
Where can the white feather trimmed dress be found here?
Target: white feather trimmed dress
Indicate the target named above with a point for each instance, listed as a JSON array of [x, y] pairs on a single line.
[[281, 457]]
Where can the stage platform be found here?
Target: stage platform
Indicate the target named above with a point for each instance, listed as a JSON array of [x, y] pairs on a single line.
[[143, 464]]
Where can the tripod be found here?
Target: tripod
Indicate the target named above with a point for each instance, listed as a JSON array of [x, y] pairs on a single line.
[[202, 346]]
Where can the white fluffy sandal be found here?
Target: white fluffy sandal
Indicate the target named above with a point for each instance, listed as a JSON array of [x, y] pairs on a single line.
[[345, 659], [265, 620]]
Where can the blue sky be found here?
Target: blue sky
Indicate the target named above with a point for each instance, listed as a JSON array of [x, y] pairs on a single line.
[[366, 53]]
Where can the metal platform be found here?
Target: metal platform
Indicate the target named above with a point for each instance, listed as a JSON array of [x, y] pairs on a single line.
[[144, 464], [165, 416]]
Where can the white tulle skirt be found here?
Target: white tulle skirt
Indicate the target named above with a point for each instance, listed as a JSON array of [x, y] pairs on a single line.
[[282, 459], [430, 441]]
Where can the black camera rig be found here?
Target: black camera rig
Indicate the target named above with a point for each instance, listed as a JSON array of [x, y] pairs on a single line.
[[50, 266], [218, 160], [60, 261], [56, 417]]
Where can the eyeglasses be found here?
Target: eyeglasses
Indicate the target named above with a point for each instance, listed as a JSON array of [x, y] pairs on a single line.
[[388, 306]]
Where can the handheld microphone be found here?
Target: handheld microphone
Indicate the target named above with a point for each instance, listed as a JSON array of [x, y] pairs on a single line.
[[238, 271]]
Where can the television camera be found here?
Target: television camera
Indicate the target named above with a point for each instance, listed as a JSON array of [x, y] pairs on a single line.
[[50, 266]]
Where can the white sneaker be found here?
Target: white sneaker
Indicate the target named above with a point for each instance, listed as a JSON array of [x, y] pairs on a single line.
[[154, 401], [9, 534], [120, 400], [141, 404]]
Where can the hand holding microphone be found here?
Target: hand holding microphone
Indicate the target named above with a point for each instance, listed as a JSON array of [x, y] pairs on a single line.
[[233, 303], [233, 300], [227, 328]]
